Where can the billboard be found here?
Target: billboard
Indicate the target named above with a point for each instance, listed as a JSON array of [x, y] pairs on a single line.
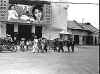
[[37, 12], [25, 13]]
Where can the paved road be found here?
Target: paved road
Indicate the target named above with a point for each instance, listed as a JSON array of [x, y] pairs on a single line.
[[84, 61]]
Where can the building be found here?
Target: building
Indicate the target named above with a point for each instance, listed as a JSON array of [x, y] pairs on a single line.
[[25, 18], [83, 33]]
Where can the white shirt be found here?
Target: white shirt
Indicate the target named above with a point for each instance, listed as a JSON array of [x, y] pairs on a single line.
[[12, 14]]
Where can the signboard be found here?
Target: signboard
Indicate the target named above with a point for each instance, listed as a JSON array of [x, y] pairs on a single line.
[[35, 13], [59, 16], [25, 13], [4, 10], [47, 13]]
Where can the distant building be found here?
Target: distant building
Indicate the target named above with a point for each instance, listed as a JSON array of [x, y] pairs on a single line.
[[83, 33]]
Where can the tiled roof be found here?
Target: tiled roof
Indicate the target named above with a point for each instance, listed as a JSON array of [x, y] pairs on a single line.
[[89, 27], [82, 26], [73, 25]]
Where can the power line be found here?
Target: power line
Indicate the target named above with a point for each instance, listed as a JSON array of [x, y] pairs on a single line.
[[76, 3]]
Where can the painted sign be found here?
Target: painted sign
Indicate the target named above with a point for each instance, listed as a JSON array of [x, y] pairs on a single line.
[[25, 13]]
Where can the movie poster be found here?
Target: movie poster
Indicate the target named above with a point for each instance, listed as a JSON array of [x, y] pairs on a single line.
[[25, 13]]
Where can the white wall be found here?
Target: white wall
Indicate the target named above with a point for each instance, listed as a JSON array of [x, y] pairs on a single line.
[[59, 16], [49, 33], [2, 29]]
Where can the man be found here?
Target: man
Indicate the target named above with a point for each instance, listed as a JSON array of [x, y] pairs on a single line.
[[72, 45], [68, 44], [60, 44], [55, 44], [45, 45]]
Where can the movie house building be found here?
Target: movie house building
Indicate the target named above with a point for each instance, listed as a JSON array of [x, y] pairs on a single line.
[[26, 18]]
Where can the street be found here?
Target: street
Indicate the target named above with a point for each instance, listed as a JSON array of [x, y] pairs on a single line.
[[82, 61]]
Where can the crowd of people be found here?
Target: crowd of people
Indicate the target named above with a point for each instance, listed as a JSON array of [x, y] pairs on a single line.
[[35, 45], [43, 45]]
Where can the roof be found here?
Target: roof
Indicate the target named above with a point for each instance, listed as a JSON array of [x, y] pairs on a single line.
[[73, 25], [82, 26], [89, 27], [65, 32]]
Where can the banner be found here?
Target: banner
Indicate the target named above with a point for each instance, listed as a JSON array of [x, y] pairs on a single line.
[[4, 10]]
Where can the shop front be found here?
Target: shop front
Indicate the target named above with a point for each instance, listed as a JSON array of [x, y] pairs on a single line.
[[26, 19], [27, 31]]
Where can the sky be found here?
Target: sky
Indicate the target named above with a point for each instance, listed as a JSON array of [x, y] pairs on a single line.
[[83, 12]]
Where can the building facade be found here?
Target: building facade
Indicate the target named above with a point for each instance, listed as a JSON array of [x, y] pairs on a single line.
[[25, 18], [83, 33]]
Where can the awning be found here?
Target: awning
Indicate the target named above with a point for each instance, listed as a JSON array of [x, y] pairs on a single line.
[[65, 32]]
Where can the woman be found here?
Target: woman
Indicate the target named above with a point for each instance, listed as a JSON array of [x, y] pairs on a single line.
[[35, 45], [37, 13]]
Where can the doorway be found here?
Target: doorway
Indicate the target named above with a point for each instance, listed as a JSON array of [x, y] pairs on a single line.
[[10, 29], [76, 39], [24, 31], [38, 31], [89, 40]]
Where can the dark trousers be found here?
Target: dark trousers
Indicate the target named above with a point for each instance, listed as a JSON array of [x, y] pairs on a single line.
[[61, 48], [45, 48], [72, 47], [55, 48], [68, 48]]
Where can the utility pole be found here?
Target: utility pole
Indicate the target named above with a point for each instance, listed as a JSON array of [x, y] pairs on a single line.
[[66, 11]]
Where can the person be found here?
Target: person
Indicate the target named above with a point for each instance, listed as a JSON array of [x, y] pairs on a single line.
[[37, 13], [35, 44], [55, 45], [42, 45], [22, 43], [68, 45], [27, 44], [72, 45], [60, 42], [9, 38], [12, 13], [45, 45]]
